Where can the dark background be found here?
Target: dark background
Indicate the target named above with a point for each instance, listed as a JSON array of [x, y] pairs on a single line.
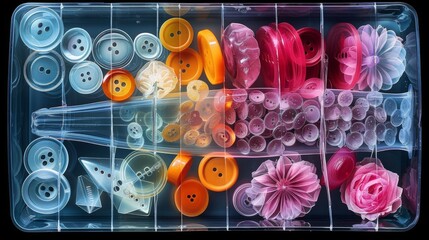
[[7, 227]]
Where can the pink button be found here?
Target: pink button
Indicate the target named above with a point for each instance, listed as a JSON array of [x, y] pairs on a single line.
[[195, 118], [289, 115], [299, 120], [243, 146], [359, 113], [339, 167], [271, 101], [332, 112], [294, 100], [298, 136], [370, 123], [312, 114], [310, 102], [354, 140], [358, 127], [345, 98], [310, 132], [328, 98], [241, 128], [271, 119], [331, 125], [256, 96], [239, 95], [267, 133], [256, 126], [230, 116], [279, 131], [346, 113], [344, 125], [289, 139], [257, 143], [312, 88], [242, 111], [312, 42], [334, 138], [256, 110], [275, 147]]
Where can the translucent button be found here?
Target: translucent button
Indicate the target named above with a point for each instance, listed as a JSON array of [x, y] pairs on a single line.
[[242, 202], [358, 127], [211, 122], [113, 48], [267, 133], [46, 153], [404, 136], [256, 96], [309, 102], [328, 98], [243, 146], [279, 131], [310, 132], [359, 113], [396, 119], [41, 29], [146, 119], [147, 46], [390, 137], [406, 124], [370, 138], [344, 125], [256, 126], [374, 98], [196, 90], [294, 100], [370, 123], [331, 125], [155, 73], [150, 135], [171, 132], [345, 98], [271, 101], [255, 110], [289, 115], [44, 71], [46, 191], [354, 140], [135, 130], [76, 45], [299, 120], [389, 125], [271, 119], [312, 114], [239, 95], [312, 88], [363, 103], [230, 116], [380, 114], [206, 108], [257, 143], [346, 113], [187, 64], [127, 113], [241, 129], [135, 143], [176, 34], [85, 77], [289, 139], [334, 138], [275, 147], [147, 172], [190, 137], [332, 112], [405, 106], [389, 106], [380, 131], [203, 140], [223, 135]]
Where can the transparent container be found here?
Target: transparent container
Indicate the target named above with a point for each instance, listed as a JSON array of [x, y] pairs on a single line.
[[108, 131]]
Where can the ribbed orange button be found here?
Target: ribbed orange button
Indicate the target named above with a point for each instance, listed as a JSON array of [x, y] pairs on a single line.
[[178, 168], [188, 65], [218, 171], [191, 198], [118, 84], [209, 48], [176, 34]]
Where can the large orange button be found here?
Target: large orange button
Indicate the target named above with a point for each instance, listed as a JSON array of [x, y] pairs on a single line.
[[218, 171], [118, 84], [176, 34], [188, 65], [178, 168], [191, 198], [209, 48]]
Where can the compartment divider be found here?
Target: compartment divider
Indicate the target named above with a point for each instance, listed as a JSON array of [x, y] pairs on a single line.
[[154, 124], [322, 146], [111, 147]]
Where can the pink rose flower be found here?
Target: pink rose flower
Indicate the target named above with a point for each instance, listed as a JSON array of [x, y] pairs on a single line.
[[372, 191]]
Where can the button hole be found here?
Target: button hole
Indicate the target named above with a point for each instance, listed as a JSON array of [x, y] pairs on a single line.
[[171, 34]]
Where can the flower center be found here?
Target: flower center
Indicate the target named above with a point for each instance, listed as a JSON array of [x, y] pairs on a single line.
[[282, 184], [373, 61]]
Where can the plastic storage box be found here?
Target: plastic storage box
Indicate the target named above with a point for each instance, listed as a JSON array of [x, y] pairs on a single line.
[[166, 117]]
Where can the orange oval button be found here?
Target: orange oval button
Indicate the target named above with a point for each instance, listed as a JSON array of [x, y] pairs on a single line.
[[218, 171], [187, 65], [209, 48], [118, 84], [178, 168], [191, 198], [171, 132], [176, 34]]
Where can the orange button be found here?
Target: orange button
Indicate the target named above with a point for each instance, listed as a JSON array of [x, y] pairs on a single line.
[[191, 198], [187, 65], [209, 49], [171, 132], [218, 171], [178, 168], [118, 84], [176, 34]]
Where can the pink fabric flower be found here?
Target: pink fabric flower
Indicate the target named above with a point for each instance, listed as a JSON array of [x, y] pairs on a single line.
[[372, 191], [284, 190]]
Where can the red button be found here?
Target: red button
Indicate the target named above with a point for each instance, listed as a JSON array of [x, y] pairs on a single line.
[[312, 43], [344, 49], [340, 166], [267, 38]]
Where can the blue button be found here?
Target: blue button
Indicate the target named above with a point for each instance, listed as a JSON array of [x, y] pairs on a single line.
[[46, 153], [85, 77], [44, 71], [42, 192], [41, 29], [113, 48], [147, 46], [76, 45]]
